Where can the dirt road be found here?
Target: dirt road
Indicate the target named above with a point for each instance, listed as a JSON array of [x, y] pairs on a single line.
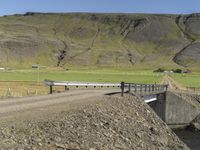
[[172, 85], [11, 107]]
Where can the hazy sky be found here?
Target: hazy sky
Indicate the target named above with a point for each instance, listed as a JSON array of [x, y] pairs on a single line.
[[125, 6]]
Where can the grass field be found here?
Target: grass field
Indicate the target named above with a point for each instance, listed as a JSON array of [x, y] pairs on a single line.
[[83, 75], [25, 82], [19, 83], [188, 80]]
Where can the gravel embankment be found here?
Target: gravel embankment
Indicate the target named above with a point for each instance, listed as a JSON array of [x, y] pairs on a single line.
[[111, 123]]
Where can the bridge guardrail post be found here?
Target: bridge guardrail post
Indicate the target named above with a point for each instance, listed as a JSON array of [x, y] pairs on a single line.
[[140, 88], [66, 88], [145, 88], [129, 88], [167, 87], [122, 88], [50, 89], [135, 86]]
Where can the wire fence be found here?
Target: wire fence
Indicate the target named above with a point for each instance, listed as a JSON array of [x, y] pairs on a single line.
[[21, 89]]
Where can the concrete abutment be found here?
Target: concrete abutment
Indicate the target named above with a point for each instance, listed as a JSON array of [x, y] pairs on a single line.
[[174, 109]]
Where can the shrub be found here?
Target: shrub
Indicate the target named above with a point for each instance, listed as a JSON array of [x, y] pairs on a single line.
[[159, 70]]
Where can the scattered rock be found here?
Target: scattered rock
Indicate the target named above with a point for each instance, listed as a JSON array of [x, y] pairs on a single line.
[[110, 124], [58, 139], [62, 146]]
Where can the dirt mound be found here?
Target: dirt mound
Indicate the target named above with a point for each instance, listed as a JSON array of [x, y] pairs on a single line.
[[112, 123]]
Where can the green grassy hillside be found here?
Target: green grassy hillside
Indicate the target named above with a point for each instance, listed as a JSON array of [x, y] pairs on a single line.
[[100, 40]]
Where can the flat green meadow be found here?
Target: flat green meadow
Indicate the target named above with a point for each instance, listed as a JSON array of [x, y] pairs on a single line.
[[188, 80], [18, 83], [83, 75]]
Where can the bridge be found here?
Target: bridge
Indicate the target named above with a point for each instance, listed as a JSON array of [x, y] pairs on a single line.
[[148, 92], [170, 107]]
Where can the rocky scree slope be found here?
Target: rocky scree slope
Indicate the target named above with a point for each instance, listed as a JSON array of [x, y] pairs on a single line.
[[112, 123], [80, 39]]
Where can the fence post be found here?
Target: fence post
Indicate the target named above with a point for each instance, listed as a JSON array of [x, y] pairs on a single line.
[[122, 88], [28, 92], [8, 94]]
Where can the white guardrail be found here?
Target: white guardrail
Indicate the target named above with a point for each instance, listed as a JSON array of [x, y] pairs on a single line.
[[134, 87], [78, 84], [74, 83]]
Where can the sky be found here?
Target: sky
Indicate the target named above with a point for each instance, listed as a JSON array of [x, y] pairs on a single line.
[[8, 7]]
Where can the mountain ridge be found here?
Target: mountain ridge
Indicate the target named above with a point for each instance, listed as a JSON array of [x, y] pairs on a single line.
[[100, 40]]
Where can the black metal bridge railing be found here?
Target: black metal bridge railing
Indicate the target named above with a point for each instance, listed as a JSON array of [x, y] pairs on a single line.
[[136, 88]]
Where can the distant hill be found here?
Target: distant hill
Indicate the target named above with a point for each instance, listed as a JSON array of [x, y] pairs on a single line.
[[114, 40]]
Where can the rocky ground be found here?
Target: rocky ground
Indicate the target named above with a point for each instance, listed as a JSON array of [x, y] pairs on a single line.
[[111, 123]]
